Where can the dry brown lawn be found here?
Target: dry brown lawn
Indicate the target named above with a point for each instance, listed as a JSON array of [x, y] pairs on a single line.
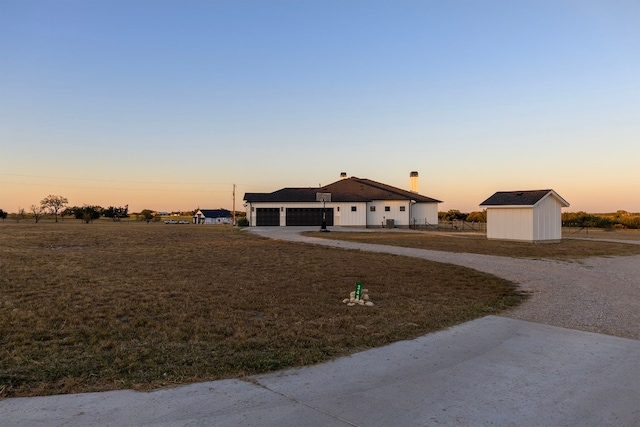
[[103, 306], [567, 249], [600, 233]]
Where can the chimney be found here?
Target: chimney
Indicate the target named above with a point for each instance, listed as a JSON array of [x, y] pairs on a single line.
[[343, 175], [413, 181]]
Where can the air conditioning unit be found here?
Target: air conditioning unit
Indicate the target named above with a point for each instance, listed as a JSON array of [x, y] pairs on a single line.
[[390, 223]]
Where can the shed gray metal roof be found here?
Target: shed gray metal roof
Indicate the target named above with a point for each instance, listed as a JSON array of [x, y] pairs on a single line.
[[345, 190], [520, 198]]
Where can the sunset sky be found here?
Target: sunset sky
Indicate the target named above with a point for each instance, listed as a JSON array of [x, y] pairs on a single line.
[[166, 104]]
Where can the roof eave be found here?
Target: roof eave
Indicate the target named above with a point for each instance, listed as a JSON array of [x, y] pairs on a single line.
[[562, 201], [507, 206]]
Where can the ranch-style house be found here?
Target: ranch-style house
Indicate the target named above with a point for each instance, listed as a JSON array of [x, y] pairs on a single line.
[[213, 216], [351, 202]]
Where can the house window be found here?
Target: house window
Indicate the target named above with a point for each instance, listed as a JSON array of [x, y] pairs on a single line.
[[354, 208], [387, 208], [402, 208], [372, 208]]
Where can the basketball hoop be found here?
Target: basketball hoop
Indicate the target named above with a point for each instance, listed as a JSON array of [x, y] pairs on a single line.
[[323, 197]]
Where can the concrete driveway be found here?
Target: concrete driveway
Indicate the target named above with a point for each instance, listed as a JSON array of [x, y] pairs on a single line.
[[494, 371]]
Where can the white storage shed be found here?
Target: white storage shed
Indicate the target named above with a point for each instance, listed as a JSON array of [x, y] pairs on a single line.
[[529, 216]]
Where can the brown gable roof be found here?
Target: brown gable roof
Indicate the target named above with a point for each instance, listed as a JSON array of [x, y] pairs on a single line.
[[520, 198], [346, 190]]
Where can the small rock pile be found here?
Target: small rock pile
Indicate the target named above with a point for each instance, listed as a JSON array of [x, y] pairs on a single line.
[[364, 299]]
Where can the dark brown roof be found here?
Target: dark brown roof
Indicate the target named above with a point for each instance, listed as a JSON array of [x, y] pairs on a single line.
[[519, 198], [346, 190]]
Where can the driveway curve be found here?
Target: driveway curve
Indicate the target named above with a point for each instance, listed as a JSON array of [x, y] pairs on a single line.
[[492, 371], [595, 294]]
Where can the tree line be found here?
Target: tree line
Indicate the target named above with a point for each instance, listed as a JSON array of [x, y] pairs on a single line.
[[57, 206], [50, 204], [456, 215], [618, 219]]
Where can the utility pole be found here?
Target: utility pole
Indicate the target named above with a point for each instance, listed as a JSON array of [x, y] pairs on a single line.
[[234, 205]]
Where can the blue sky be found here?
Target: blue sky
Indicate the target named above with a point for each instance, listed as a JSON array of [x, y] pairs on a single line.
[[165, 104]]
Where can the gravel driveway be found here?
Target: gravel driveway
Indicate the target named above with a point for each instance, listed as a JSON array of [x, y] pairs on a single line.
[[595, 294]]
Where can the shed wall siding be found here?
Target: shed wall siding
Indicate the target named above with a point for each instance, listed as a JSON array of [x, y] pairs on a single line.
[[547, 220], [510, 223]]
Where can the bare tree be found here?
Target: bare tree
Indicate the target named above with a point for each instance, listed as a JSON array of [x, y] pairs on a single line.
[[20, 215], [37, 212], [54, 204]]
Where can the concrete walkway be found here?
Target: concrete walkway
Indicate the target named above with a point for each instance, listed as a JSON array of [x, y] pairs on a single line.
[[490, 372], [494, 371]]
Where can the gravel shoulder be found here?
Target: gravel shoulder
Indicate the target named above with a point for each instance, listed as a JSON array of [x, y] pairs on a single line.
[[599, 295]]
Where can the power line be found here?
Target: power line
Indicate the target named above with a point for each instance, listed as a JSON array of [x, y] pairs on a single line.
[[114, 180], [120, 189], [190, 183]]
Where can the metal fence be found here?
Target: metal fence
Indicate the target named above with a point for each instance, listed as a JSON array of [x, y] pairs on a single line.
[[455, 225], [459, 225]]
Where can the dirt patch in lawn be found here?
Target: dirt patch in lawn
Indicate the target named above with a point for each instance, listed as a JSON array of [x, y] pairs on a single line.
[[103, 306]]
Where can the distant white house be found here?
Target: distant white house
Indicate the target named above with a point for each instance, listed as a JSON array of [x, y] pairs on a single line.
[[212, 216], [529, 216], [355, 202]]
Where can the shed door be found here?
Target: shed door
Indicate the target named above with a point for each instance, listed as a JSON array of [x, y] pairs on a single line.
[[267, 217], [308, 216]]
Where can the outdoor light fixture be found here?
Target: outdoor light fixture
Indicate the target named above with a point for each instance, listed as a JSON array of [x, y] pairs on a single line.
[[323, 197]]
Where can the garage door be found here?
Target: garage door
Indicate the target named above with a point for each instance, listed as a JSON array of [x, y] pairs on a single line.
[[267, 217], [308, 216]]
